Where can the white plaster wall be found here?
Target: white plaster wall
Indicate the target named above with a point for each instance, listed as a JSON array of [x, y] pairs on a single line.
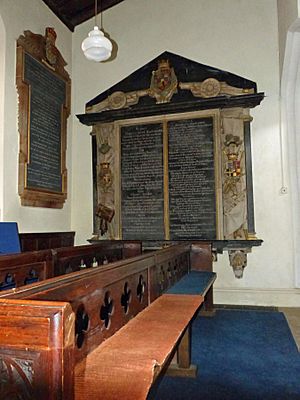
[[239, 36], [2, 84], [287, 14], [17, 17]]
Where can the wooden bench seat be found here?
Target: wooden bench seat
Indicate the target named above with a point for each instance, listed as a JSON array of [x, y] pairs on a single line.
[[52, 332], [127, 364]]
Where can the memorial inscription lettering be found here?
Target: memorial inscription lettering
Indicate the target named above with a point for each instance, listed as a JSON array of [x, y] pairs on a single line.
[[142, 204], [47, 97], [192, 203], [191, 180]]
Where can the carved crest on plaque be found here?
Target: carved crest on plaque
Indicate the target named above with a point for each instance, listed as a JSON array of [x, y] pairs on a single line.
[[233, 155], [51, 51], [44, 89], [163, 82], [104, 147], [105, 176]]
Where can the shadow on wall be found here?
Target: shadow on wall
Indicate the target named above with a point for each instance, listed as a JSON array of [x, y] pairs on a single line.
[[2, 82], [290, 125]]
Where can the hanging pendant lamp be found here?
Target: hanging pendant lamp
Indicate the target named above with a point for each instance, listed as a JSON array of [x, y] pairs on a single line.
[[96, 47]]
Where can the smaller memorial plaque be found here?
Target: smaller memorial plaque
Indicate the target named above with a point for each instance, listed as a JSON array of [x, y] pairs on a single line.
[[44, 105], [47, 100], [142, 205]]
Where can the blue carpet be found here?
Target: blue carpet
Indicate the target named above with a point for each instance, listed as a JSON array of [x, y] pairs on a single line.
[[241, 355]]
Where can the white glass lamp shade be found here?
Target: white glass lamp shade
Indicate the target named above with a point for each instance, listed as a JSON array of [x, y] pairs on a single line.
[[96, 47]]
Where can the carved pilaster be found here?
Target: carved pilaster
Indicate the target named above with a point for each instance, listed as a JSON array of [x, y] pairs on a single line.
[[234, 173], [105, 180]]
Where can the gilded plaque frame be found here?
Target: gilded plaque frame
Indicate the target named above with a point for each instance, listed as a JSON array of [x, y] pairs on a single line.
[[43, 50]]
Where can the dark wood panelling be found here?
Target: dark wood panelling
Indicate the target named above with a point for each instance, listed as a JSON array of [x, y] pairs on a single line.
[[74, 12]]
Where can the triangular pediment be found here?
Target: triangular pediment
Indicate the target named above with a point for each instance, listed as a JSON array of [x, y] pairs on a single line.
[[185, 70], [168, 84]]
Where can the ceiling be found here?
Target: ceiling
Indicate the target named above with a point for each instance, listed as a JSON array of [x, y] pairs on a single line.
[[74, 12]]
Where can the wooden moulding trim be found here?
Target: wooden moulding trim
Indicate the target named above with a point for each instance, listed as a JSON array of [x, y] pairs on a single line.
[[38, 314]]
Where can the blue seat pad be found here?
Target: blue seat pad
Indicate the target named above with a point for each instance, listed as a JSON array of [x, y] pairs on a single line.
[[196, 282]]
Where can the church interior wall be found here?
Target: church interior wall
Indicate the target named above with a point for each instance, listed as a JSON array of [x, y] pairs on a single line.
[[18, 18], [203, 32], [234, 35]]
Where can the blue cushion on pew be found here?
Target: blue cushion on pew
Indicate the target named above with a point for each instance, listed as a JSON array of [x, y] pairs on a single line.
[[9, 238], [196, 282]]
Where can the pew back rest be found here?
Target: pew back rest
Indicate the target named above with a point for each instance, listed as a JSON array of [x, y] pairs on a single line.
[[70, 259], [106, 298], [24, 268], [34, 241]]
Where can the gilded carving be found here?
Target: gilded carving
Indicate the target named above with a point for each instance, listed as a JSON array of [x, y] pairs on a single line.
[[105, 177], [163, 82], [43, 48], [163, 85], [234, 178], [105, 210], [40, 69]]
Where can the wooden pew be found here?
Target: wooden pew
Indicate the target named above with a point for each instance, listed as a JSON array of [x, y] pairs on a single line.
[[70, 259], [35, 241], [128, 364], [102, 300], [24, 268]]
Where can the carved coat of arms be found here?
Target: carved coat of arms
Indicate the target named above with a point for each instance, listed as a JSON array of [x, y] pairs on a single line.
[[163, 82], [52, 52], [105, 176]]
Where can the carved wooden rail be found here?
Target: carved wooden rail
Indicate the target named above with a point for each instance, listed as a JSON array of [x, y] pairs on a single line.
[[70, 259], [25, 268], [102, 300], [46, 339]]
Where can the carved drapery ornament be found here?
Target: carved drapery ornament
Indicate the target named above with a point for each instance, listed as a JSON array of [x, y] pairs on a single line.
[[234, 174], [105, 209]]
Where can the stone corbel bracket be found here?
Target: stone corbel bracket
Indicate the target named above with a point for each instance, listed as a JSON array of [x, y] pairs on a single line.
[[238, 261], [237, 252]]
